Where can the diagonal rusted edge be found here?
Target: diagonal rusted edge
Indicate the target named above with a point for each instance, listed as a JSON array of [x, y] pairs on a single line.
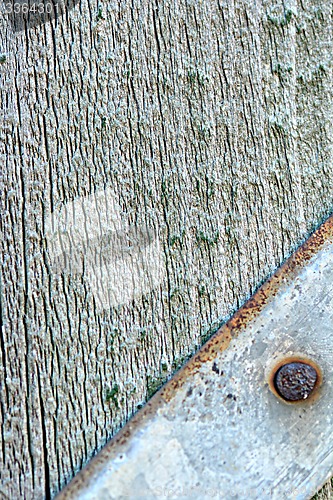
[[218, 342]]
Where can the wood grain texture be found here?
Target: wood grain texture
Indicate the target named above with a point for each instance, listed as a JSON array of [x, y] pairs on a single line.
[[212, 122]]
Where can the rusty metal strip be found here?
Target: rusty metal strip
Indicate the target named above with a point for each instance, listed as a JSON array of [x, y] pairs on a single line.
[[218, 428]]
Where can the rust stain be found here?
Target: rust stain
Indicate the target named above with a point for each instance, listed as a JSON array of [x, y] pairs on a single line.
[[217, 343]]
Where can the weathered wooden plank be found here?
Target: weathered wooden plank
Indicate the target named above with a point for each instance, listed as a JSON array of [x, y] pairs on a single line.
[[209, 121]]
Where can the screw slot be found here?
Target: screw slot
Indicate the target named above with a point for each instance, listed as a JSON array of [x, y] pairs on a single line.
[[295, 380]]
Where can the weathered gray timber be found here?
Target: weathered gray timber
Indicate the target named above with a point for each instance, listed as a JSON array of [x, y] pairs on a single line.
[[211, 122]]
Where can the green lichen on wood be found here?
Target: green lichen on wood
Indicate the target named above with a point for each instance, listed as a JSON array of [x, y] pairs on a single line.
[[99, 14], [282, 70], [281, 22], [112, 395], [178, 362], [154, 384], [208, 239]]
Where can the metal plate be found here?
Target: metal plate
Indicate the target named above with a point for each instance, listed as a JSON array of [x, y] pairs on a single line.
[[217, 429]]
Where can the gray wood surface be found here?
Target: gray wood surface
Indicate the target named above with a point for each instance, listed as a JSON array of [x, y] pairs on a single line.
[[211, 122]]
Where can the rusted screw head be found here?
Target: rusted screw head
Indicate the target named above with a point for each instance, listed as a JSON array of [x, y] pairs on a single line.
[[295, 381]]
